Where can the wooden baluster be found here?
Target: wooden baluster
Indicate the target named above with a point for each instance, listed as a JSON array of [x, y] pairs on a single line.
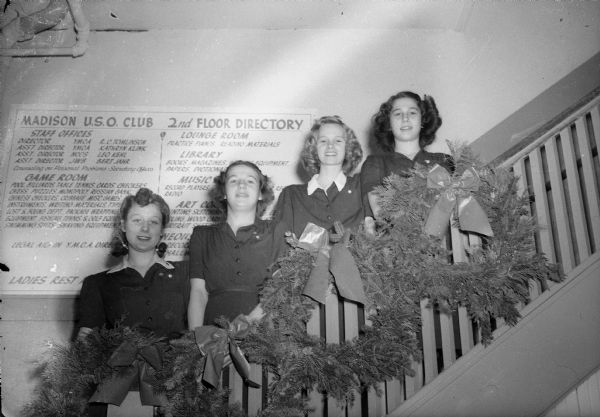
[[475, 242], [534, 289], [586, 394], [255, 394], [591, 401], [499, 322], [394, 394], [414, 383], [561, 213], [466, 330], [519, 171], [568, 406], [595, 115], [236, 386], [351, 332], [332, 325], [575, 197], [429, 345], [457, 240], [316, 400], [447, 333], [542, 213], [375, 403], [459, 243], [587, 166]]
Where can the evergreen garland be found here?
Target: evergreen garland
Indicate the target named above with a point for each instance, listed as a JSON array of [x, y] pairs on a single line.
[[301, 362], [68, 377], [399, 267], [496, 278]]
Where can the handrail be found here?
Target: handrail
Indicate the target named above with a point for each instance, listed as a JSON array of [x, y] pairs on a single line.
[[532, 140]]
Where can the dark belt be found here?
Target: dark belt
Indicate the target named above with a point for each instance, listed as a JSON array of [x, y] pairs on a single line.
[[232, 290]]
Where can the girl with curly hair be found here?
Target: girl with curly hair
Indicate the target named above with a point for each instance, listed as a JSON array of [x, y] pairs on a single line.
[[331, 153], [142, 290], [404, 125], [115, 295], [229, 261]]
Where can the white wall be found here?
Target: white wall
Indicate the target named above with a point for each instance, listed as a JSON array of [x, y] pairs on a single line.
[[503, 56], [344, 72]]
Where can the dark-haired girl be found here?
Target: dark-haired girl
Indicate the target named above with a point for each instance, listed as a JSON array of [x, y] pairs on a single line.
[[229, 261], [404, 125]]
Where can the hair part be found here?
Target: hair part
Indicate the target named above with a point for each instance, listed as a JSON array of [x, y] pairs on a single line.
[[309, 156], [430, 121], [218, 195]]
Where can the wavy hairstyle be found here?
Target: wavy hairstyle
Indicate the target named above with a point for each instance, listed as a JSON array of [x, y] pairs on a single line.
[[310, 157], [430, 121], [143, 197], [217, 192]]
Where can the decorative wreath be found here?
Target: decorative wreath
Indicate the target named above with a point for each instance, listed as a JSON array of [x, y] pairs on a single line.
[[404, 263]]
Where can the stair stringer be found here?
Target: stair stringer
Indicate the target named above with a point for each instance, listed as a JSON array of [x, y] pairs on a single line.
[[528, 367]]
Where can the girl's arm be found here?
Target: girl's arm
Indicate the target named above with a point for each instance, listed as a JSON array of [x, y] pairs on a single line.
[[83, 332], [197, 304], [371, 175], [256, 315], [373, 203]]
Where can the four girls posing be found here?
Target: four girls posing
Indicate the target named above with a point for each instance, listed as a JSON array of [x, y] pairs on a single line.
[[228, 262]]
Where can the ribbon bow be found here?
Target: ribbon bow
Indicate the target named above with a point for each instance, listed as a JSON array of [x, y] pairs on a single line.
[[215, 343], [471, 217], [131, 362], [333, 260]]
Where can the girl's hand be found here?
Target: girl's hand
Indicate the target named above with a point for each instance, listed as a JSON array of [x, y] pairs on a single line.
[[256, 315], [291, 239], [370, 226]]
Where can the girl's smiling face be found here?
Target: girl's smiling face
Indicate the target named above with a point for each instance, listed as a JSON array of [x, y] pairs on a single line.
[[331, 144], [143, 227], [405, 119], [242, 188]]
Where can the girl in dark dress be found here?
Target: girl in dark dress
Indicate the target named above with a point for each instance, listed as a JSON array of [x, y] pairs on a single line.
[[331, 153], [229, 261], [404, 125], [143, 290]]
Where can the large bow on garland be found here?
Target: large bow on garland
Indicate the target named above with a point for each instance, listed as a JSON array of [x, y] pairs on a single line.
[[131, 363], [471, 216], [215, 343], [336, 260]]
